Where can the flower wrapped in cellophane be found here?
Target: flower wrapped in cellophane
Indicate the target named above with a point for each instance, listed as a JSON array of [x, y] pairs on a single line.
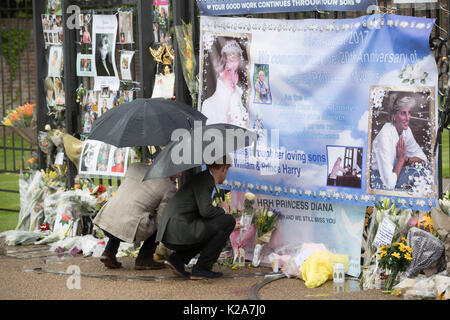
[[265, 225], [23, 121], [20, 117], [394, 259], [183, 34], [397, 216]]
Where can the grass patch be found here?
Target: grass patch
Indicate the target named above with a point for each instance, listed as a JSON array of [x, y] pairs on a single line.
[[9, 200], [12, 160]]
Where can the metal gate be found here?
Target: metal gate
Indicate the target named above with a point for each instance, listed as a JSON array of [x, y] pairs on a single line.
[[17, 84]]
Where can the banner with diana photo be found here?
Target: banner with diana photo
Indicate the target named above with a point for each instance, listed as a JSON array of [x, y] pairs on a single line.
[[346, 110]]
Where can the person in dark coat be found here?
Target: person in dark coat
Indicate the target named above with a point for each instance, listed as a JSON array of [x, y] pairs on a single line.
[[194, 222]]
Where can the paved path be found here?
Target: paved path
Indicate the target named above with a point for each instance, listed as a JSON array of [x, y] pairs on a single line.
[[32, 272]]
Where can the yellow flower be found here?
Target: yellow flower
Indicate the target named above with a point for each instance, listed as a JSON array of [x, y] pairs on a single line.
[[408, 257], [234, 267], [402, 247], [7, 122], [396, 255], [404, 239], [382, 254], [383, 248]]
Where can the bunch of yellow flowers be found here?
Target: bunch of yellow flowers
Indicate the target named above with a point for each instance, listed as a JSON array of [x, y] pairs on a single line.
[[396, 257]]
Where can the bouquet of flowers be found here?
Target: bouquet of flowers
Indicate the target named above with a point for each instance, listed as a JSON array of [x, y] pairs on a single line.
[[394, 259], [241, 237], [23, 121], [20, 117], [184, 37], [265, 225], [385, 210]]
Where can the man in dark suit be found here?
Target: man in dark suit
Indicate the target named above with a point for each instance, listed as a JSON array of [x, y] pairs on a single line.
[[193, 223]]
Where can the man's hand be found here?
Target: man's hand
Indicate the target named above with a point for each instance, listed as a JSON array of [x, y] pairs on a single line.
[[226, 206]]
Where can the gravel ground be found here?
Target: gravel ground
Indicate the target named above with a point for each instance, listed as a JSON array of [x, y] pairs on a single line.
[[21, 280]]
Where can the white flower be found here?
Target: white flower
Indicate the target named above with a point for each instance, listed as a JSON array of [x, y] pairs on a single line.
[[270, 214], [407, 72], [404, 24], [308, 193], [249, 196], [417, 74]]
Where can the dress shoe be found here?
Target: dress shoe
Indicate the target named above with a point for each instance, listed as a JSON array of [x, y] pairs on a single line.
[[110, 261], [175, 262], [199, 273], [148, 264]]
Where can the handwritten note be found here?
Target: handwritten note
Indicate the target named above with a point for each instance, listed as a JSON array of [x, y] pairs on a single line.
[[385, 233]]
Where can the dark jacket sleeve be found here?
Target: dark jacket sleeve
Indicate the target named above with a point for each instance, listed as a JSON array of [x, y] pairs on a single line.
[[202, 193]]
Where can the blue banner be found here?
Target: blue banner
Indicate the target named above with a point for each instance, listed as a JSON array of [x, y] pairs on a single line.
[[346, 110], [235, 7]]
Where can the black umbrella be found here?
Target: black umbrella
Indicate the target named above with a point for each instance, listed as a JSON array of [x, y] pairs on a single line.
[[144, 122], [201, 145]]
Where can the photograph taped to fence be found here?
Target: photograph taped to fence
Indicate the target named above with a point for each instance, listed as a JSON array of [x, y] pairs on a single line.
[[126, 27], [84, 65], [55, 64], [104, 29], [400, 140], [125, 64], [96, 156]]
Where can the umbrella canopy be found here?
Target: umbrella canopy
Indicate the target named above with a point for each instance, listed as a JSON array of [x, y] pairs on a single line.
[[201, 145], [144, 122]]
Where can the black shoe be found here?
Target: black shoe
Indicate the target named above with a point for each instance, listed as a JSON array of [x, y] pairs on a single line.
[[199, 273], [148, 264], [175, 262], [109, 260]]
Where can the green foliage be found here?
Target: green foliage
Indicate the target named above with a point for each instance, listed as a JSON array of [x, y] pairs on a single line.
[[14, 42]]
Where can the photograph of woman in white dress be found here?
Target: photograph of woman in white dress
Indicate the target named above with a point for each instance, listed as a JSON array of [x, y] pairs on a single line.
[[225, 83], [398, 160]]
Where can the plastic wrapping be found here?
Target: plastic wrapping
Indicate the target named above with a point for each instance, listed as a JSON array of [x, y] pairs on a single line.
[[441, 223], [31, 190], [318, 268], [16, 237], [427, 249], [399, 217]]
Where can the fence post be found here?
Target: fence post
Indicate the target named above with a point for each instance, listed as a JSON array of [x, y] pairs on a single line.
[[41, 66], [70, 85], [147, 65]]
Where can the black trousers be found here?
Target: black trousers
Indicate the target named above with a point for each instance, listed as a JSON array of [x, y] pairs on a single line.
[[147, 249], [217, 232]]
